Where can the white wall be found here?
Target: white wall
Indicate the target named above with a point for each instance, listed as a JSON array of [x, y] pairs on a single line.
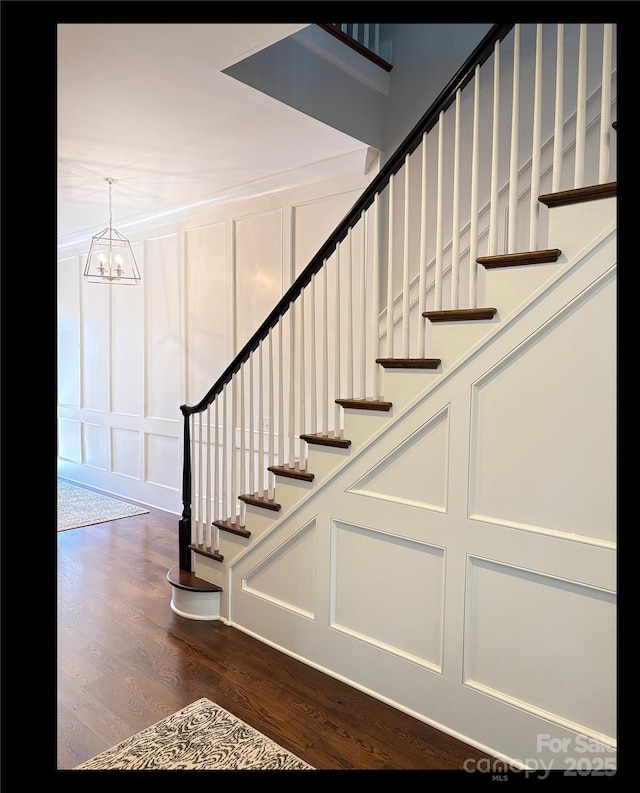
[[128, 357]]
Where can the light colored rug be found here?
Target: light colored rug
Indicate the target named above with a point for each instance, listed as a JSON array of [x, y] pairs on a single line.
[[79, 507], [202, 737]]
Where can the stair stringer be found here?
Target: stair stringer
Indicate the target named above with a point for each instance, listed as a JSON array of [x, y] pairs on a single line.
[[353, 630]]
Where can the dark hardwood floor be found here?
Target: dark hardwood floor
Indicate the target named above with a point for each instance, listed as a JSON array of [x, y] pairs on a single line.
[[126, 661]]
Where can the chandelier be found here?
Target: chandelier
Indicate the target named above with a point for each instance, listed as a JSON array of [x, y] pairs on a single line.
[[110, 259]]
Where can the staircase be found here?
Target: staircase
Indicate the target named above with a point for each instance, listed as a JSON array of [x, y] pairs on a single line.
[[412, 541]]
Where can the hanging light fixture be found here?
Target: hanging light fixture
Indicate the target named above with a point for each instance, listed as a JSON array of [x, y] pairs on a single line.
[[110, 259]]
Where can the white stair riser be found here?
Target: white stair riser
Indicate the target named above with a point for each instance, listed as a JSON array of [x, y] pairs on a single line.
[[577, 223], [509, 287], [196, 605], [360, 425], [401, 386], [450, 341]]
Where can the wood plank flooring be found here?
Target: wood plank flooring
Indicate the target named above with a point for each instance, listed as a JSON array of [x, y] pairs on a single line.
[[126, 661]]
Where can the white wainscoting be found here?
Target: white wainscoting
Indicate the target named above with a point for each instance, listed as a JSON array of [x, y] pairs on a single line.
[[465, 556], [128, 357]]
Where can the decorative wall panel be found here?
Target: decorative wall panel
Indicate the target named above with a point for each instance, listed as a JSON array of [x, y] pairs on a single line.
[[127, 361], [125, 453], [209, 307], [95, 446], [163, 462], [162, 327], [536, 439], [312, 219], [258, 270], [415, 472], [543, 643], [69, 440], [68, 349], [287, 577], [388, 591], [95, 340]]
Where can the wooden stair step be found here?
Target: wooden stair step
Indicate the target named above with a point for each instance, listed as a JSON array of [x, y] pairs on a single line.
[[231, 527], [190, 582], [331, 439], [291, 473], [517, 259], [460, 314], [365, 404], [579, 195], [260, 500], [409, 363], [203, 550]]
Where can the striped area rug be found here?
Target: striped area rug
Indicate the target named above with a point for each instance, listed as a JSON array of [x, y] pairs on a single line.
[[201, 737]]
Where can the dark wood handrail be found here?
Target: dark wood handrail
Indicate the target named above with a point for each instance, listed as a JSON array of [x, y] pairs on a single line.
[[446, 97]]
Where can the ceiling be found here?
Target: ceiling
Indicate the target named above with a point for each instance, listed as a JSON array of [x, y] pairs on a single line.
[[148, 106]]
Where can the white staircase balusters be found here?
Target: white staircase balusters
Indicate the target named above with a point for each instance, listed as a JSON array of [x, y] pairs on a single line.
[[302, 392], [473, 222], [581, 110], [511, 244], [495, 141], [556, 178], [363, 355], [405, 264], [605, 105], [390, 261], [534, 192], [439, 216], [337, 371], [376, 295]]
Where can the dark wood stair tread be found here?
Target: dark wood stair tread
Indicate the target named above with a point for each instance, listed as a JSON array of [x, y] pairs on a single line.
[[190, 582], [331, 439], [291, 473], [260, 500], [203, 550], [460, 314], [579, 195], [231, 527], [516, 259], [365, 404], [409, 363]]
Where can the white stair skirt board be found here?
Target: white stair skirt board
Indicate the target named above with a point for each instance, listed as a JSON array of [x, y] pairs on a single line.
[[195, 605]]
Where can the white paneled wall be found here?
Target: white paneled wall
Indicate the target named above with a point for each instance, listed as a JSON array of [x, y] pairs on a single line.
[[209, 307], [463, 559], [258, 264], [128, 357], [162, 326]]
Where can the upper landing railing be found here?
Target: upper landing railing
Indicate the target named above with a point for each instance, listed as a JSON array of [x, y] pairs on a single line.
[[365, 39]]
